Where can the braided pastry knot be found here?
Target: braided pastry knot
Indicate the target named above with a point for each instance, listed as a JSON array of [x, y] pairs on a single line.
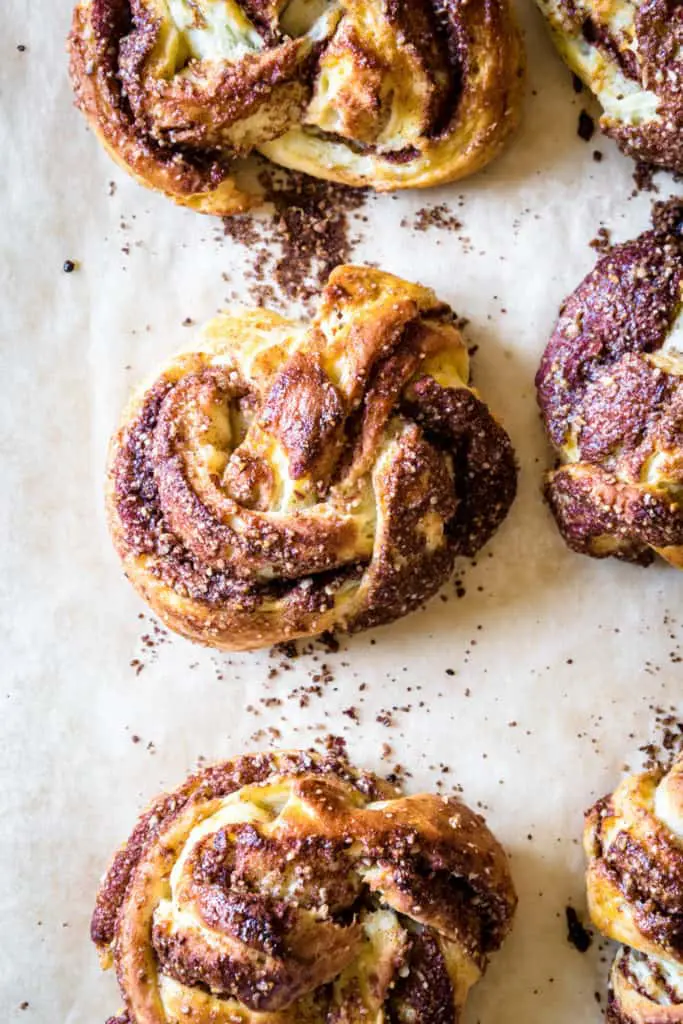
[[610, 387], [630, 55], [286, 888], [386, 93], [285, 479], [634, 844]]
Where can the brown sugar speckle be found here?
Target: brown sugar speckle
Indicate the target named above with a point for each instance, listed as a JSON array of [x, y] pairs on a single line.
[[311, 226]]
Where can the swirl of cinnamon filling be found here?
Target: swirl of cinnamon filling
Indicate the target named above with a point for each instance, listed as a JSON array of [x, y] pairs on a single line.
[[283, 479], [286, 888], [634, 844], [610, 387], [382, 93], [630, 55]]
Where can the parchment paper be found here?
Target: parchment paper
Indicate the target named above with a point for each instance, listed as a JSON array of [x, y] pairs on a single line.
[[563, 658]]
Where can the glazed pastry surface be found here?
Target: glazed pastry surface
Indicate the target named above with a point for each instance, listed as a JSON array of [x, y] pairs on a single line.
[[611, 393], [281, 479], [634, 845], [287, 888], [374, 93], [630, 55]]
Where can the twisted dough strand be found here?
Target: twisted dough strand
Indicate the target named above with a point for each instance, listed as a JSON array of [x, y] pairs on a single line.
[[611, 393], [290, 889], [286, 478], [634, 844], [631, 56], [391, 95]]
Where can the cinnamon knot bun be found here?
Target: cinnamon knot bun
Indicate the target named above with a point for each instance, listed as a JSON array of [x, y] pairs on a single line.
[[285, 888], [630, 55], [634, 844], [375, 93], [282, 479], [610, 387]]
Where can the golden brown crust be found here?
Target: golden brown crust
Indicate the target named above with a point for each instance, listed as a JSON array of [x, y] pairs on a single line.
[[191, 177], [634, 845], [630, 56], [611, 393], [390, 95], [644, 990], [287, 887], [284, 479]]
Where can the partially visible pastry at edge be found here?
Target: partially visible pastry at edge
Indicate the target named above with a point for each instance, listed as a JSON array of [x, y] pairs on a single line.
[[375, 93], [610, 387], [281, 479], [630, 55], [287, 888], [634, 845]]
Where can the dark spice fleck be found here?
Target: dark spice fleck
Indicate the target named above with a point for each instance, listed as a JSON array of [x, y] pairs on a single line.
[[69, 266], [586, 126], [577, 935], [329, 642]]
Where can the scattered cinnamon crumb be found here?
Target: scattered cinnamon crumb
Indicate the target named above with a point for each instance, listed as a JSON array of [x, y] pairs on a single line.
[[577, 935], [586, 126], [602, 241], [643, 177], [667, 745], [439, 216], [292, 253], [336, 745]]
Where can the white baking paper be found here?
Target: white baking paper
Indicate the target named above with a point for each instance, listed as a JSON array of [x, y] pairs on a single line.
[[563, 658]]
